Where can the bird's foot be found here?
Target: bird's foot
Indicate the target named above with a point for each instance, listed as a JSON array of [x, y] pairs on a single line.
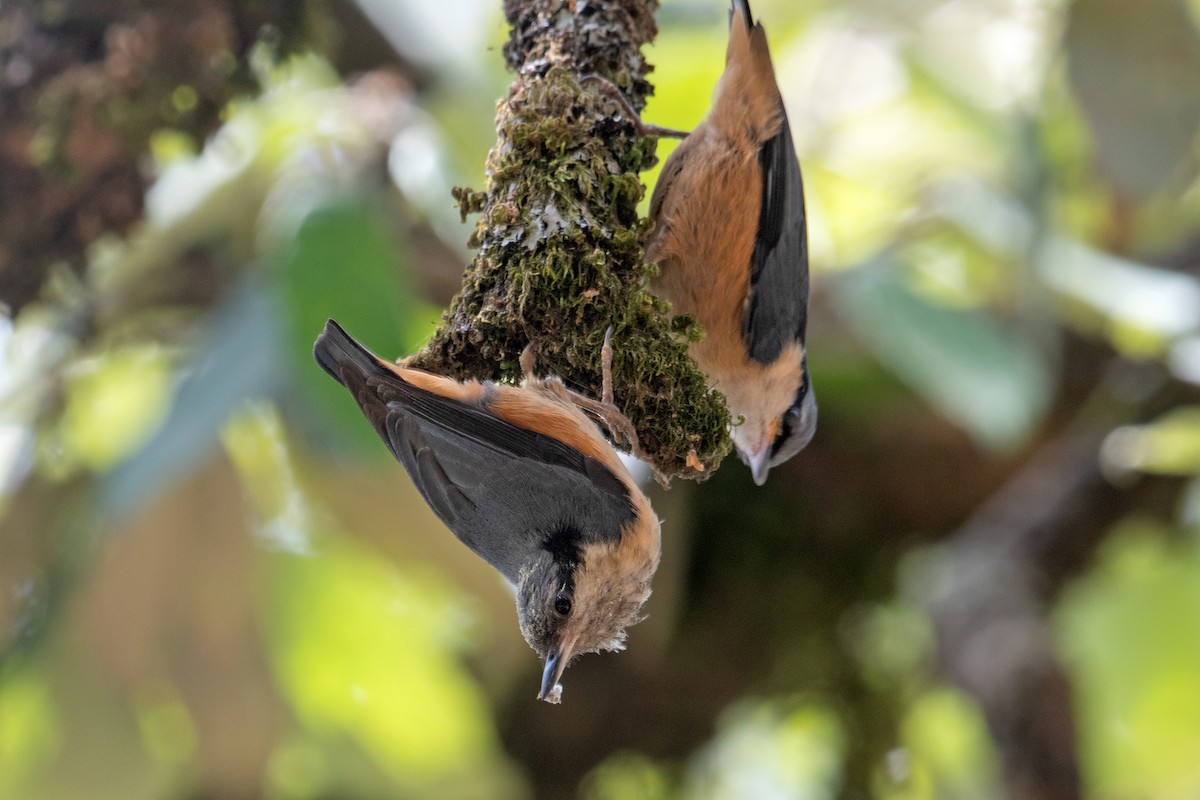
[[619, 427], [614, 419]]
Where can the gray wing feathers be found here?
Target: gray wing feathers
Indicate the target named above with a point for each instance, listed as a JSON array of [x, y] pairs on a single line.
[[501, 506], [411, 449], [502, 489], [778, 308]]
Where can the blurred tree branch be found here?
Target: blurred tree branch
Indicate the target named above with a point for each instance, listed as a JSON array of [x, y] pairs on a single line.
[[1007, 563], [83, 88]]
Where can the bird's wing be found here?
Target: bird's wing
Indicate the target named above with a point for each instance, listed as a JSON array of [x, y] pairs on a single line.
[[502, 489], [778, 302]]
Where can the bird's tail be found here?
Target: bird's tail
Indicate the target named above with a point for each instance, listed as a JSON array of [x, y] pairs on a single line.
[[334, 348], [742, 7], [747, 98]]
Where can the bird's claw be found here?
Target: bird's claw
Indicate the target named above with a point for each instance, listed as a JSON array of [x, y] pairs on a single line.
[[528, 360], [614, 419], [619, 426]]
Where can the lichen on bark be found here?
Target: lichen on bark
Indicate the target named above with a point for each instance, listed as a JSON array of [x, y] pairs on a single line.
[[560, 241]]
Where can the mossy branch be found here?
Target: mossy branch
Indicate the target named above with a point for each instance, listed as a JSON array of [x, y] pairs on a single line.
[[560, 240]]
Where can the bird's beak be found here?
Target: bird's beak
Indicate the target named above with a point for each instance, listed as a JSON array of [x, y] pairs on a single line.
[[556, 662], [760, 464], [756, 452]]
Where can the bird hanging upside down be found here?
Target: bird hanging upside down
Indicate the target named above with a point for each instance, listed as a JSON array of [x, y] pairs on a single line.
[[731, 239], [522, 477]]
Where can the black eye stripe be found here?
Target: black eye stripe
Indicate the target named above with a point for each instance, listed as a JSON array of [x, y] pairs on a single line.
[[785, 432], [792, 414], [564, 544], [803, 390]]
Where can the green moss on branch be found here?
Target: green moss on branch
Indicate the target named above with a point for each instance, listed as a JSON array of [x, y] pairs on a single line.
[[560, 240]]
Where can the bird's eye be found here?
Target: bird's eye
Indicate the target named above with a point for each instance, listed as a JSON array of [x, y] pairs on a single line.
[[562, 605]]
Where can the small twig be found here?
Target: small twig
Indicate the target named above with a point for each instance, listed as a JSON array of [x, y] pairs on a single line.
[[643, 128]]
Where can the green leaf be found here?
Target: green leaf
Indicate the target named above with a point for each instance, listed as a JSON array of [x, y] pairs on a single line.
[[364, 651], [1168, 446], [788, 747], [115, 401], [1130, 635], [30, 728], [238, 361], [989, 379], [1135, 68], [346, 264], [947, 748], [1144, 308], [626, 774]]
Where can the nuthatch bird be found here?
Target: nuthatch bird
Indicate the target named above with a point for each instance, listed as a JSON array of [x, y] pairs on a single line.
[[523, 478], [731, 240]]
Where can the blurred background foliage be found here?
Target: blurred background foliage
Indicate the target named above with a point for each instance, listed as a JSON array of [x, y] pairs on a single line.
[[981, 580]]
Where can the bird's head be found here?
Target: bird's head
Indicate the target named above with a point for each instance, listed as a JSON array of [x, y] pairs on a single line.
[[581, 600], [784, 436]]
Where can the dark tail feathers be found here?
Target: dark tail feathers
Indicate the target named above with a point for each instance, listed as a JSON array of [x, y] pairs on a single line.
[[334, 347]]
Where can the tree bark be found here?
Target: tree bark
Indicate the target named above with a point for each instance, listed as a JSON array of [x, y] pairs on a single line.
[[560, 253]]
